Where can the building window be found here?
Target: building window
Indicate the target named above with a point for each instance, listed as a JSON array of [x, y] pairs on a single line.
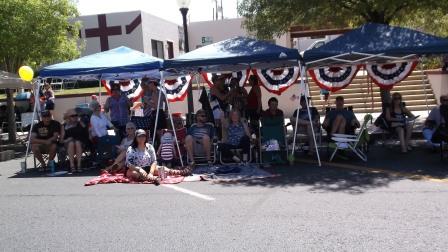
[[157, 49]]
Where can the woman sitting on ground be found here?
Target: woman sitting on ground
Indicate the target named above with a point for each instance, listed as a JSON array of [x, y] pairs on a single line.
[[396, 115], [141, 161], [122, 148], [236, 135], [75, 137]]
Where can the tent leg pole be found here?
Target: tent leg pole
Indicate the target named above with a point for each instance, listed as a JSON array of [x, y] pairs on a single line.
[[35, 110], [171, 119], [424, 85], [99, 92], [297, 114], [157, 115], [311, 123]]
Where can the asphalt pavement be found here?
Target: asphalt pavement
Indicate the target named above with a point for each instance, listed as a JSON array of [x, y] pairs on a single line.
[[395, 202]]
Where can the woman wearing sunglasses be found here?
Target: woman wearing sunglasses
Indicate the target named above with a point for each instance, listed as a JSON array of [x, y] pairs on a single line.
[[397, 115], [75, 136], [141, 161]]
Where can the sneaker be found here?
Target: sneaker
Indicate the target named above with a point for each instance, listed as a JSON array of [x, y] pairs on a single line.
[[236, 159]]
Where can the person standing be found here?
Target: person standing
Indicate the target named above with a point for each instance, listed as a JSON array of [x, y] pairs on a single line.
[[48, 98], [118, 105], [254, 105]]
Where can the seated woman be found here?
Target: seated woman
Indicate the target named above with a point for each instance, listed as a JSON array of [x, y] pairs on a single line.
[[123, 147], [99, 127], [75, 136], [396, 115], [340, 120], [236, 135], [303, 122], [141, 161]]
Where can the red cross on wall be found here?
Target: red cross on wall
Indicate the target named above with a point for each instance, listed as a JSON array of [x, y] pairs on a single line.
[[103, 31]]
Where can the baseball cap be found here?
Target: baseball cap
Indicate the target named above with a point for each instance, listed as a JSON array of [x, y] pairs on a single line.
[[140, 132]]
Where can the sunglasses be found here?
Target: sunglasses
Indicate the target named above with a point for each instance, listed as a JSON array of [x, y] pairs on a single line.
[[444, 100], [141, 136], [75, 115], [201, 115], [130, 128]]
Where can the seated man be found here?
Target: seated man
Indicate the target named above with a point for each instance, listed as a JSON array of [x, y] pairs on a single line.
[[340, 120], [202, 133], [273, 110], [303, 122], [437, 121], [44, 138]]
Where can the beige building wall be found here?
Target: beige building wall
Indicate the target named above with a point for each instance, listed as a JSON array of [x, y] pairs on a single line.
[[132, 40], [218, 30], [162, 30]]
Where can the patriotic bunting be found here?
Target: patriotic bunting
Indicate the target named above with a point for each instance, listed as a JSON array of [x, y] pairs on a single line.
[[176, 90], [277, 80], [333, 78], [207, 78], [387, 75], [242, 77], [130, 88]]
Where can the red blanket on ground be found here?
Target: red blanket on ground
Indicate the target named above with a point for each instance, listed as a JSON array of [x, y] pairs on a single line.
[[108, 178]]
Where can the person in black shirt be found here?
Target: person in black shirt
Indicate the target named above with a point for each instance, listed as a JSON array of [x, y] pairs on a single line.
[[44, 138], [75, 137]]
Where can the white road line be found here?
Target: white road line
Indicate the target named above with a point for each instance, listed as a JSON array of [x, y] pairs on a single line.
[[189, 192]]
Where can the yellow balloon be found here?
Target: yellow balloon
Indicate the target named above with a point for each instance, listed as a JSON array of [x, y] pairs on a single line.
[[26, 73]]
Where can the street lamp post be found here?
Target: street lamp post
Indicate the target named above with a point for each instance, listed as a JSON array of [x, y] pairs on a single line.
[[183, 7]]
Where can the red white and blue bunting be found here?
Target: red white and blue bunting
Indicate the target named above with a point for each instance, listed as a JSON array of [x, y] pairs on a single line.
[[176, 90], [333, 78], [277, 80], [207, 78], [242, 77], [130, 88], [387, 75]]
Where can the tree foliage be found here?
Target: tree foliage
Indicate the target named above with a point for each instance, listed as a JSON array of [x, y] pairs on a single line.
[[268, 18], [37, 32]]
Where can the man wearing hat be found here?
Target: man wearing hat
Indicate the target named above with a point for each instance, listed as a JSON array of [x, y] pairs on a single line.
[[44, 138]]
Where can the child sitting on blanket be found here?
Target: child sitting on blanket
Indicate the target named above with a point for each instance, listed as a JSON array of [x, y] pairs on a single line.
[[166, 151]]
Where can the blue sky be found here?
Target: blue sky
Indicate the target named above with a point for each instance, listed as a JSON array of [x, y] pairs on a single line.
[[200, 10]]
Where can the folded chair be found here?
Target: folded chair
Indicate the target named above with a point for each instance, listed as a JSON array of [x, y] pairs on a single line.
[[352, 142], [273, 128]]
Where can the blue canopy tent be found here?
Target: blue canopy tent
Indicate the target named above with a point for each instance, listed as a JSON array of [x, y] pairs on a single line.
[[235, 54], [121, 63], [375, 43], [118, 63]]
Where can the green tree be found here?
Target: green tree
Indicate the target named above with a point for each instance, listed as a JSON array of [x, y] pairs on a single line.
[[36, 33], [268, 18]]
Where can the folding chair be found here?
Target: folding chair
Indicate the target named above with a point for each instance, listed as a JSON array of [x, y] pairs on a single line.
[[352, 142], [199, 152], [273, 128]]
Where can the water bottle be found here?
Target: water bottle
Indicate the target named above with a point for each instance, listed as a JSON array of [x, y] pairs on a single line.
[[162, 172], [52, 166]]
